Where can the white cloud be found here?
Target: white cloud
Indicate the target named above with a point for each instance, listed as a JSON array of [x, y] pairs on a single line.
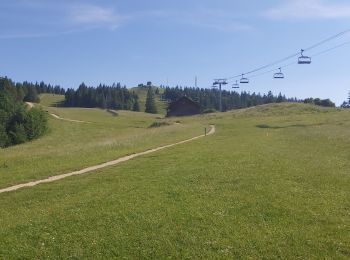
[[309, 9], [95, 16], [219, 20], [70, 17], [214, 19], [65, 18]]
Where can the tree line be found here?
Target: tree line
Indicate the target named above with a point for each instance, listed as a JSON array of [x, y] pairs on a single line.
[[319, 102], [346, 104], [29, 92], [105, 97], [209, 98], [18, 124]]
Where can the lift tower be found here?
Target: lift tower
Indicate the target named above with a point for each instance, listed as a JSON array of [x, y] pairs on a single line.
[[220, 83]]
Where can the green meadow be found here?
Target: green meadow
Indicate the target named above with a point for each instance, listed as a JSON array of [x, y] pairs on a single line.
[[273, 182], [69, 146]]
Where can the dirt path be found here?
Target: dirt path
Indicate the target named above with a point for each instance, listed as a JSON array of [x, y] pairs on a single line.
[[31, 105], [101, 166], [69, 120]]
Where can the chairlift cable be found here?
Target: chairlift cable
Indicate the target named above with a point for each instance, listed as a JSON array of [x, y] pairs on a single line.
[[327, 40], [293, 55], [295, 63], [330, 49]]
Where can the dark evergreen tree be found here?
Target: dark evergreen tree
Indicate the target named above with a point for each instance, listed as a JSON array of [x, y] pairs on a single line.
[[150, 102], [346, 104], [105, 97], [136, 106], [4, 139], [17, 123], [32, 95]]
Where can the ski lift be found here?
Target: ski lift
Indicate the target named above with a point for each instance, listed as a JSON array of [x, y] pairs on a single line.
[[244, 80], [235, 85], [304, 59], [279, 75]]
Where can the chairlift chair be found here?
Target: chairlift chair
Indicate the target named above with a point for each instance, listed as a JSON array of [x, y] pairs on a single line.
[[235, 85], [304, 59], [279, 75], [244, 80]]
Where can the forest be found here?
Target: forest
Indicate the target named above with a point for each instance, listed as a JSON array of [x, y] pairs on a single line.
[[105, 97], [209, 98], [18, 124]]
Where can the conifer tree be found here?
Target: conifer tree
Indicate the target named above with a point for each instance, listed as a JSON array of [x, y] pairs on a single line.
[[136, 106], [150, 102]]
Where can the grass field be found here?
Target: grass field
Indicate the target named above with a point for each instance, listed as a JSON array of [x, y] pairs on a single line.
[[51, 100], [71, 146], [273, 183]]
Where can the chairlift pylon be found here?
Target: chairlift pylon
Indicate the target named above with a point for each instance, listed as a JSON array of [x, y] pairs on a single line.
[[244, 80], [304, 59], [279, 75]]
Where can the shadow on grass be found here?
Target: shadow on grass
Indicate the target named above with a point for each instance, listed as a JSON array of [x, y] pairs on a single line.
[[264, 126], [113, 113], [58, 104]]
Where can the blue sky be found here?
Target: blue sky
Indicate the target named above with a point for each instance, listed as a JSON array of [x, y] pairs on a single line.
[[67, 42]]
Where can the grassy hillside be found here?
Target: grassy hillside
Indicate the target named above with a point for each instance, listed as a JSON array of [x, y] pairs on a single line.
[[70, 146], [273, 182], [51, 100], [142, 93]]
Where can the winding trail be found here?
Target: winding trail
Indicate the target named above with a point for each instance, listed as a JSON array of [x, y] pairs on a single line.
[[69, 120], [31, 105], [101, 166]]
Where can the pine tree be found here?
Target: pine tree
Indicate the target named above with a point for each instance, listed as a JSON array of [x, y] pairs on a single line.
[[4, 140], [32, 95], [136, 106], [150, 102], [279, 98]]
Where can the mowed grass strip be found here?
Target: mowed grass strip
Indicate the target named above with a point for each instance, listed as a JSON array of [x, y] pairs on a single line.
[[51, 100], [273, 185]]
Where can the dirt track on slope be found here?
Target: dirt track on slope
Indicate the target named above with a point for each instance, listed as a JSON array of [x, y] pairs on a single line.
[[31, 105], [101, 166], [69, 120]]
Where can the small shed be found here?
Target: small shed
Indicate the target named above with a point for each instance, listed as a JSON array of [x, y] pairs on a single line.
[[183, 107]]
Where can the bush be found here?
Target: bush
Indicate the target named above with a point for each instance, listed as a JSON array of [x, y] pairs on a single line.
[[209, 111], [158, 124], [35, 123], [18, 135]]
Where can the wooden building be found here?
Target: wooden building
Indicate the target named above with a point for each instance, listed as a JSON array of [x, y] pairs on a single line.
[[183, 107]]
